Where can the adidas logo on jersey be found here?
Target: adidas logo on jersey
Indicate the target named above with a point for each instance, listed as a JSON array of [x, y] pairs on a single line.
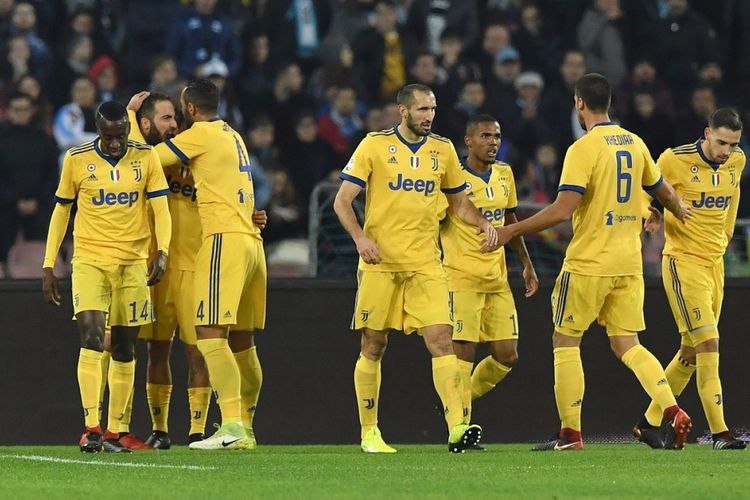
[[569, 318], [392, 160], [227, 314], [91, 177], [695, 179]]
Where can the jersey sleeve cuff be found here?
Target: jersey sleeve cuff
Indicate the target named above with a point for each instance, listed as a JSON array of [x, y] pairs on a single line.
[[356, 180], [571, 187], [454, 190], [656, 185], [177, 151], [63, 201], [154, 194]]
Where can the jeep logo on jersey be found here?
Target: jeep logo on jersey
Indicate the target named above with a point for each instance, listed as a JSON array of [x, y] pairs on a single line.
[[712, 201], [186, 190], [111, 199], [494, 215], [406, 184]]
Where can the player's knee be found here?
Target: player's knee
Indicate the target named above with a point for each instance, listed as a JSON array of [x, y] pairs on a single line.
[[374, 347], [123, 352], [92, 337], [508, 358]]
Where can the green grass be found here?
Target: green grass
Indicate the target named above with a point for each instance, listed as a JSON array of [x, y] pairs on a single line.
[[510, 471]]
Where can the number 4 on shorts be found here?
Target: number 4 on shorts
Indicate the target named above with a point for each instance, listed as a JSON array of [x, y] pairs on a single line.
[[199, 314]]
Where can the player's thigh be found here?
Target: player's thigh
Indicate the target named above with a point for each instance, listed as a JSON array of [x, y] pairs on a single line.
[[379, 304], [691, 291], [426, 300], [466, 314], [131, 298], [499, 317], [184, 313], [163, 296], [577, 300], [220, 273], [622, 313], [252, 309], [91, 283], [718, 289]]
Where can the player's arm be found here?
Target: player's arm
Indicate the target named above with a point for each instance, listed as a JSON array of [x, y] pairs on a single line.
[[530, 278], [659, 188], [342, 205], [671, 201], [732, 211], [156, 192], [560, 210], [467, 212]]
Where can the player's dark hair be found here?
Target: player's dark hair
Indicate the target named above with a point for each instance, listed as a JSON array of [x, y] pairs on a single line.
[[111, 111], [405, 96], [203, 94], [595, 91], [725, 117], [477, 119], [148, 108]]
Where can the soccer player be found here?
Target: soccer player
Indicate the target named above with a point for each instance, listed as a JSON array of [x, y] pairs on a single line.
[[110, 179], [601, 278], [481, 302], [402, 284], [229, 286], [707, 174]]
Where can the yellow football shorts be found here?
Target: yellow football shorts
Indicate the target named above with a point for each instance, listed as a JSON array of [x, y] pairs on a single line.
[[483, 317], [616, 302], [230, 282], [173, 305], [406, 301], [695, 293], [117, 289]]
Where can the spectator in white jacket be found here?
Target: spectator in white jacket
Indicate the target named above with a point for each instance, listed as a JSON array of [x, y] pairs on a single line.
[[74, 123]]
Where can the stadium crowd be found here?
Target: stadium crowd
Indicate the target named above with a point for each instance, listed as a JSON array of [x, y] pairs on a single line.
[[306, 80]]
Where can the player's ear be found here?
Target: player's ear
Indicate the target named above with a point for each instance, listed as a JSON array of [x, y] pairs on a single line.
[[707, 132], [467, 140]]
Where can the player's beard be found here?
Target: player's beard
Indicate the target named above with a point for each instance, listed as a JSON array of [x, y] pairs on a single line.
[[153, 137], [581, 121], [415, 127]]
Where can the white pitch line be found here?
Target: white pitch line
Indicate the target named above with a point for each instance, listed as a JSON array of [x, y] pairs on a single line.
[[41, 458]]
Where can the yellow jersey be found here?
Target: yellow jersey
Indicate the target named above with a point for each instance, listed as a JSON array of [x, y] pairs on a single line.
[[220, 166], [608, 166], [468, 269], [183, 208], [713, 192], [402, 181], [112, 223]]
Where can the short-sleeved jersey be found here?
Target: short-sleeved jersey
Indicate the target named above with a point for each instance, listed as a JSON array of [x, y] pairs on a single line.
[[608, 166], [402, 182], [111, 224], [713, 192], [220, 165], [469, 270]]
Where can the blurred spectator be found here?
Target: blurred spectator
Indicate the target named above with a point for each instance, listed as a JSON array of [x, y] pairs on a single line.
[[558, 108], [6, 11], [42, 115], [690, 125], [600, 39], [643, 79], [297, 30], [499, 86], [530, 185], [382, 53], [496, 37], [340, 69], [308, 159], [342, 124], [452, 122], [24, 22], [148, 23], [75, 64], [254, 81], [288, 99], [103, 72], [260, 142], [164, 78], [17, 60], [537, 44], [85, 21], [458, 16], [547, 168], [711, 75], [652, 125], [202, 34], [458, 69], [75, 122], [426, 71], [28, 170], [531, 129], [283, 209], [261, 184], [229, 111]]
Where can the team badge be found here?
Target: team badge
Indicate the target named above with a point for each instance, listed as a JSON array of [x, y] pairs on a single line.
[[490, 193], [392, 149], [114, 175], [506, 193], [184, 172], [468, 186], [715, 179], [732, 178], [91, 167], [435, 163], [694, 169], [414, 162], [137, 172]]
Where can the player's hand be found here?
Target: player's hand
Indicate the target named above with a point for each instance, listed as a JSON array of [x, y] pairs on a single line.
[[531, 280], [157, 268], [260, 218], [368, 250], [653, 222], [50, 287], [504, 235], [490, 243], [136, 101], [684, 212]]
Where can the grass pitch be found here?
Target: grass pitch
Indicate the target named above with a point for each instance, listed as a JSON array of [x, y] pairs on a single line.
[[416, 471]]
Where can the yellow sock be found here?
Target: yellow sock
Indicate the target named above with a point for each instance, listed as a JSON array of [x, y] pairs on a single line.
[[650, 374], [106, 356], [709, 390], [465, 367], [224, 376], [678, 373], [89, 381], [488, 373], [121, 377], [367, 387], [447, 379], [251, 374], [199, 398], [125, 421], [158, 396], [569, 386]]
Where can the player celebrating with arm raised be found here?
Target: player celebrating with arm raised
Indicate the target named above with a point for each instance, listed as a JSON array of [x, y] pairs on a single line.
[[602, 276], [481, 302], [402, 284], [110, 179]]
